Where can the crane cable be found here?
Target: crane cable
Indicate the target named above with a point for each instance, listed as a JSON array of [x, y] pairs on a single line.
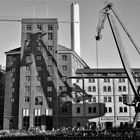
[[97, 63]]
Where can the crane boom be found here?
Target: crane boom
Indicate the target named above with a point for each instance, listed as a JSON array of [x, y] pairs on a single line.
[[105, 13]]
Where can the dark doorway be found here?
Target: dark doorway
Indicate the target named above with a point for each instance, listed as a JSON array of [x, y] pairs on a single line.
[[49, 124], [108, 125]]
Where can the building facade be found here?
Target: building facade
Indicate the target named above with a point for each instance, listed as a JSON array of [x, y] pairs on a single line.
[[2, 78], [106, 86], [37, 92]]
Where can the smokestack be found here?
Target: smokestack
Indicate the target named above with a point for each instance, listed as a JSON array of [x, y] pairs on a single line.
[[75, 28]]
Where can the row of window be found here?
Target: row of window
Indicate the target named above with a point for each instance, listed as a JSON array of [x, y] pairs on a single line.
[[37, 112], [106, 88], [39, 27]]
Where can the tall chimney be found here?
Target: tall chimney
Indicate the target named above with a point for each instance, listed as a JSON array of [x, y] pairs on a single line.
[[75, 28]]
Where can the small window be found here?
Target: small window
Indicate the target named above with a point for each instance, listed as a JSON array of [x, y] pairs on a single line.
[[89, 110], [12, 89], [109, 99], [28, 27], [11, 100], [28, 78], [39, 48], [64, 68], [120, 99], [50, 36], [77, 80], [12, 79], [94, 89], [50, 27], [49, 99], [13, 69], [94, 109], [64, 57], [110, 110], [94, 99], [50, 67], [50, 48], [27, 88], [25, 112], [49, 88], [124, 88], [64, 110], [109, 88], [105, 99], [49, 78], [27, 68], [104, 88], [78, 109], [89, 88], [120, 109], [39, 100], [125, 109], [27, 99], [106, 80], [64, 78], [40, 27]]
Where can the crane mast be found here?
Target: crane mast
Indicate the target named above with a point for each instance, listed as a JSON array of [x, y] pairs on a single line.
[[104, 13]]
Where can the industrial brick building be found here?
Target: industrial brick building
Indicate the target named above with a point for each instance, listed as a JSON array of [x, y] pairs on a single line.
[[38, 91]]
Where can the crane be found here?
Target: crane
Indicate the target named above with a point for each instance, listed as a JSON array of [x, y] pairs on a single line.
[[106, 13]]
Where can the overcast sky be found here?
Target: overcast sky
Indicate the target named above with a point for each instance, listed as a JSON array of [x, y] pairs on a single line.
[[128, 10]]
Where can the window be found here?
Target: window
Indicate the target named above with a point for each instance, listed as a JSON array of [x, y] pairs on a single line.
[[11, 100], [27, 88], [89, 88], [124, 88], [121, 80], [27, 68], [50, 36], [28, 48], [91, 80], [63, 88], [64, 78], [119, 88], [89, 110], [27, 99], [104, 88], [50, 48], [40, 27], [120, 109], [28, 58], [49, 88], [64, 57], [12, 89], [64, 109], [38, 68], [49, 112], [110, 109], [94, 109], [49, 99], [125, 109], [94, 89], [109, 88], [64, 68], [28, 36], [94, 99], [78, 109], [50, 57], [109, 99], [28, 27], [50, 27], [37, 112], [28, 78], [13, 69], [106, 80], [39, 100], [38, 88], [120, 99], [38, 57], [105, 99], [25, 112]]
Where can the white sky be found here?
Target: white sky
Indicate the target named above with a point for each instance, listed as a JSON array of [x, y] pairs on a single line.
[[128, 10]]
